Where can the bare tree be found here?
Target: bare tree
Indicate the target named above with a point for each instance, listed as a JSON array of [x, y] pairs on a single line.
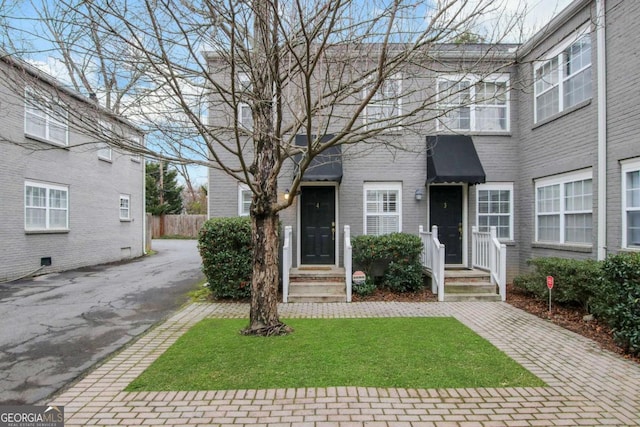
[[327, 69]]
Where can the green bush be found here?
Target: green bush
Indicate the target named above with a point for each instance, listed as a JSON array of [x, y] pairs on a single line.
[[617, 300], [225, 248], [364, 289], [575, 281], [392, 261]]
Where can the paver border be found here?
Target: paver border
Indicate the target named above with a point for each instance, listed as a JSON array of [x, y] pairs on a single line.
[[586, 384]]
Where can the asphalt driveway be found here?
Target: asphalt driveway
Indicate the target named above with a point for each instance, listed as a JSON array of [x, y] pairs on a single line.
[[55, 327]]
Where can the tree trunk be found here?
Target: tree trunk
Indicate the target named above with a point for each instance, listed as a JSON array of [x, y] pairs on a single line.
[[264, 318]]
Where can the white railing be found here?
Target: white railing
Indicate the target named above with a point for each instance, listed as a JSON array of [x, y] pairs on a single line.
[[489, 254], [348, 261], [287, 262], [433, 259]]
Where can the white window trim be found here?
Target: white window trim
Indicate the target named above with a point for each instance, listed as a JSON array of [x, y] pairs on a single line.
[[105, 152], [128, 199], [496, 187], [244, 84], [396, 186], [242, 188], [135, 140], [558, 52], [630, 165], [474, 79], [560, 180], [48, 208], [31, 100], [397, 103]]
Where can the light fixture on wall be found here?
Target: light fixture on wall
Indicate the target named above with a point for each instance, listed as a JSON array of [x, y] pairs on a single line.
[[419, 194], [286, 194]]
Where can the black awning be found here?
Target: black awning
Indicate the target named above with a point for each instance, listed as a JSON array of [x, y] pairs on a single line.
[[326, 166], [453, 158]]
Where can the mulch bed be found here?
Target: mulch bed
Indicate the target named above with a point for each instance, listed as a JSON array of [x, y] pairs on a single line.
[[571, 318]]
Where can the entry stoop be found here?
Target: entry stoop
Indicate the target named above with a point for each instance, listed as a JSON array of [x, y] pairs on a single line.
[[469, 285], [317, 284]]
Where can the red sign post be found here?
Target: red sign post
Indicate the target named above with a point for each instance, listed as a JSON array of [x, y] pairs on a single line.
[[550, 286]]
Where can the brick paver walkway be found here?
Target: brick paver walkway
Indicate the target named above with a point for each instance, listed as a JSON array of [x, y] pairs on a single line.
[[587, 386]]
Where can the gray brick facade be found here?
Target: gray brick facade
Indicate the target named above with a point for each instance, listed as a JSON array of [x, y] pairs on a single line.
[[531, 151], [95, 232]]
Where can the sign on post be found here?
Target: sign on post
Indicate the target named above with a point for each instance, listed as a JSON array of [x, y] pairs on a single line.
[[550, 286]]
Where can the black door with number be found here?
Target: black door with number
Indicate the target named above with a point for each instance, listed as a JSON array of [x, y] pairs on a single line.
[[318, 224], [445, 211]]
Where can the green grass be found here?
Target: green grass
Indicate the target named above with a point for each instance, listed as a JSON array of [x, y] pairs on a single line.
[[379, 352]]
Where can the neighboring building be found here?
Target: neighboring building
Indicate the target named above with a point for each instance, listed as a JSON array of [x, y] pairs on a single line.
[[550, 158], [68, 200]]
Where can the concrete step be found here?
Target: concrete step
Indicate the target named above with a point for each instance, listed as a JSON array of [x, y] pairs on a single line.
[[317, 274], [471, 297], [318, 288], [466, 276], [469, 288], [317, 291], [317, 298]]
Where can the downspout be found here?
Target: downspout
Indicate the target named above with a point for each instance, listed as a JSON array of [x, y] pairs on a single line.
[[144, 205], [602, 129]]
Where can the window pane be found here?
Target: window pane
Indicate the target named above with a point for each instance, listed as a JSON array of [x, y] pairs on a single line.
[[577, 88], [633, 228], [578, 228], [549, 228], [491, 118], [633, 189], [36, 125], [58, 218], [548, 104]]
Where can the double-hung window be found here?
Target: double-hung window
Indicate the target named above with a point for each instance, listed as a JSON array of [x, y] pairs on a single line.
[[386, 103], [125, 207], [46, 120], [473, 104], [245, 115], [244, 200], [46, 207], [495, 208], [631, 204], [564, 79], [135, 141], [564, 209], [382, 208], [104, 149]]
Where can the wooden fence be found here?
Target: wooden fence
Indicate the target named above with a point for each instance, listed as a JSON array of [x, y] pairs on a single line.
[[177, 225]]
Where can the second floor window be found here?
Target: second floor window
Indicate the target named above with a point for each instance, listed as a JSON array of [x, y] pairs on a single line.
[[563, 80], [471, 104], [386, 103], [45, 120], [245, 115]]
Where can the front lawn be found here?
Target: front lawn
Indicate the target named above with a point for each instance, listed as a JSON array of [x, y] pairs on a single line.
[[378, 352]]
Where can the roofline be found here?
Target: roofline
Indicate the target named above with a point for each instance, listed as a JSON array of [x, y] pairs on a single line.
[[554, 25], [56, 84]]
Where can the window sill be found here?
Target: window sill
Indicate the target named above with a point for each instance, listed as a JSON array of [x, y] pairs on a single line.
[[562, 113], [475, 132], [126, 220], [59, 231], [563, 247], [104, 159], [46, 141]]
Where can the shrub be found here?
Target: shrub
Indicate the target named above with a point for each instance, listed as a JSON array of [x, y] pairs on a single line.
[[617, 300], [575, 281], [391, 260], [225, 248], [366, 288]]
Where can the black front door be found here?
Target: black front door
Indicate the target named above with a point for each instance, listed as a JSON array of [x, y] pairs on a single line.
[[445, 211], [318, 224]]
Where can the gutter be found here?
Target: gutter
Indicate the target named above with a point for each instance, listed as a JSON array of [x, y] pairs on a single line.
[[602, 128]]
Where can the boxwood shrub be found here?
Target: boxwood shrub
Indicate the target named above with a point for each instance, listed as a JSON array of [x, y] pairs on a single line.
[[575, 281], [617, 300], [391, 261], [225, 248]]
